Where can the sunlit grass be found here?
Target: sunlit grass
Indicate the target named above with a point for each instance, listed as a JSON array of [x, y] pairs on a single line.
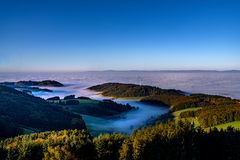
[[177, 113], [190, 119], [234, 124]]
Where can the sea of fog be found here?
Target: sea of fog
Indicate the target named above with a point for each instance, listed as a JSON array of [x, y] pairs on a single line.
[[210, 82]]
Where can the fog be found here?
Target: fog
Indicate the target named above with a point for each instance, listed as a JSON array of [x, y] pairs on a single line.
[[125, 123], [128, 121], [210, 82]]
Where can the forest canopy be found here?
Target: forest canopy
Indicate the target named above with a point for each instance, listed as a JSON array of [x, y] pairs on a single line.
[[174, 140]]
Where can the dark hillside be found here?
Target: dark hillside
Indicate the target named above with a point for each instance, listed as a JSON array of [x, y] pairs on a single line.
[[49, 83], [27, 112]]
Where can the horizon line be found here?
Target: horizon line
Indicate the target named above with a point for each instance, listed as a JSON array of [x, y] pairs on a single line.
[[110, 70]]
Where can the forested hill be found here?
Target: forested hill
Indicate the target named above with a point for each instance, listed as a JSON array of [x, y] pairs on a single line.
[[206, 110], [22, 113], [175, 99], [120, 90], [49, 83]]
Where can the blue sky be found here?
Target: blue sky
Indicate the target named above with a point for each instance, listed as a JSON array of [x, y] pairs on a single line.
[[49, 35]]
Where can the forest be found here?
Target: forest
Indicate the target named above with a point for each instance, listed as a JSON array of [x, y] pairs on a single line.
[[171, 141]]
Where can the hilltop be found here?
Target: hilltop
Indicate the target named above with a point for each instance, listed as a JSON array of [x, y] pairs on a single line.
[[121, 90], [49, 83], [46, 83]]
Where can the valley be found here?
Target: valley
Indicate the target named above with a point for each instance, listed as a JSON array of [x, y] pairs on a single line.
[[127, 121]]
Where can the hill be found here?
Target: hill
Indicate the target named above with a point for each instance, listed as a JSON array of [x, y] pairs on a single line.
[[22, 113], [46, 83], [120, 90], [49, 83], [205, 110]]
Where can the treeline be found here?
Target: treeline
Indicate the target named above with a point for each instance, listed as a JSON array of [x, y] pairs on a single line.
[[111, 105], [171, 141], [61, 145]]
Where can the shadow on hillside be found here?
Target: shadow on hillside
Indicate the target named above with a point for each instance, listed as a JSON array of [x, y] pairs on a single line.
[[166, 117]]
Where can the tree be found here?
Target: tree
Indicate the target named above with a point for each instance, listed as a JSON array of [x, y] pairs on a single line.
[[108, 146]]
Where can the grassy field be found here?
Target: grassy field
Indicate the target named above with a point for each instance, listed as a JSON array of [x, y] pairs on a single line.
[[192, 120], [235, 124], [177, 113], [81, 101], [97, 108]]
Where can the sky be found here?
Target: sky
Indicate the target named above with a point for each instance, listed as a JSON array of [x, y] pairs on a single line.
[[71, 35]]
